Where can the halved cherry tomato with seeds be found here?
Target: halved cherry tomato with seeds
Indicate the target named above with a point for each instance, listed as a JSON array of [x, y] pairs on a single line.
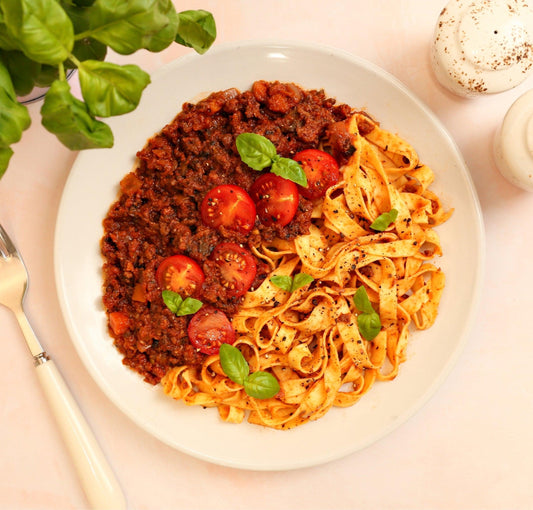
[[229, 206], [119, 323], [209, 328], [321, 170], [237, 268], [180, 274], [276, 199]]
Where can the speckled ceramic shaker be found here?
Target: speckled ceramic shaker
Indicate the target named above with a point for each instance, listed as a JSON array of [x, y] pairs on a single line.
[[483, 46]]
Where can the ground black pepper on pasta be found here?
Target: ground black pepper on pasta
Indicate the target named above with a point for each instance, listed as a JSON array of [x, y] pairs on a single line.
[[157, 212]]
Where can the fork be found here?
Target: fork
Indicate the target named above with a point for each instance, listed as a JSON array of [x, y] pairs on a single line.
[[98, 481]]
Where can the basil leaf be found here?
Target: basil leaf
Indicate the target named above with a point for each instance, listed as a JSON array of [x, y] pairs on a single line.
[[6, 83], [68, 118], [261, 385], [255, 150], [284, 282], [369, 325], [289, 169], [233, 363], [14, 117], [24, 72], [362, 302], [87, 49], [165, 37], [189, 306], [83, 3], [5, 156], [172, 299], [6, 40], [300, 280], [40, 28], [110, 89], [196, 29], [129, 26], [383, 221], [368, 320]]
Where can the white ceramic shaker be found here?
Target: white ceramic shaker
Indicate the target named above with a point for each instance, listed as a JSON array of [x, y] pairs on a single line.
[[483, 46], [513, 144]]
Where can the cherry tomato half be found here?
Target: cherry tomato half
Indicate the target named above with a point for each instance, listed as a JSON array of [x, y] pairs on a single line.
[[229, 206], [276, 199], [237, 268], [321, 170], [180, 274], [209, 328]]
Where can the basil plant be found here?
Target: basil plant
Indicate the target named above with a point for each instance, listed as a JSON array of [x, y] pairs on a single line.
[[42, 40]]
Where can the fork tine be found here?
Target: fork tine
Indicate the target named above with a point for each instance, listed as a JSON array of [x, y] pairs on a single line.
[[7, 243]]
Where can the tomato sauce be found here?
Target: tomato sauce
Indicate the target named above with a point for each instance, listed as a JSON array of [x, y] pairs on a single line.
[[157, 213]]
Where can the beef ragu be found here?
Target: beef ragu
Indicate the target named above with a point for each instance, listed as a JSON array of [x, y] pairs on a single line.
[[157, 214]]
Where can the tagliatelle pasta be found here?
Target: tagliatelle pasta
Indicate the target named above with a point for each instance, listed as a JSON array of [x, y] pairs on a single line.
[[309, 339]]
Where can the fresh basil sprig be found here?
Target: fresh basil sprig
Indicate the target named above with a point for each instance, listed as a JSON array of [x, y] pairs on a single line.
[[258, 152], [258, 384], [368, 320], [290, 284], [41, 39], [383, 221], [179, 306]]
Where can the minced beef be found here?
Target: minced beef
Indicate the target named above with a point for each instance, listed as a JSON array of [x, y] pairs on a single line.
[[157, 212]]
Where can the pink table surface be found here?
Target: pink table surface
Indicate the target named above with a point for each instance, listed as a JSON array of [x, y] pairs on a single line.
[[470, 447]]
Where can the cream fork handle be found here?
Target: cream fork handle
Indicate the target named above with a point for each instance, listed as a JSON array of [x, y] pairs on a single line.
[[98, 480]]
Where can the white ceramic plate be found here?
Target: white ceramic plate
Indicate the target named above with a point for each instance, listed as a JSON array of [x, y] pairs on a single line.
[[92, 186]]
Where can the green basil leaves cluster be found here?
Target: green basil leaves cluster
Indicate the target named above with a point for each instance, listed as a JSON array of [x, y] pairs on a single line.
[[368, 320], [40, 40], [179, 306], [258, 152], [258, 384], [290, 284]]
